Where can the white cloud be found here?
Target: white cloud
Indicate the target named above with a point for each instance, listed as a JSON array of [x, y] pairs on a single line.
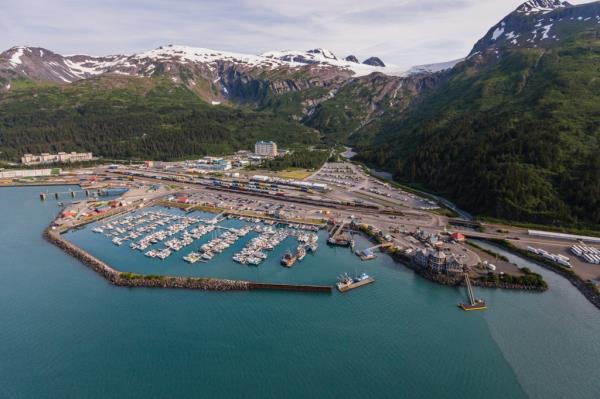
[[403, 32]]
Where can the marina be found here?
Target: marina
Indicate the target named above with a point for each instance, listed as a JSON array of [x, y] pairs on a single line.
[[200, 237]]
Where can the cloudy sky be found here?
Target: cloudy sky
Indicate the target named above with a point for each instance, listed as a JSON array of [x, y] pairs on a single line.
[[402, 32]]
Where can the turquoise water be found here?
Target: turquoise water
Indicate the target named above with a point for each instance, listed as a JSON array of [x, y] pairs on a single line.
[[65, 332]]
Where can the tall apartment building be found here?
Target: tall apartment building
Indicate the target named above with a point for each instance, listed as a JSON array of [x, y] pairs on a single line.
[[265, 148]]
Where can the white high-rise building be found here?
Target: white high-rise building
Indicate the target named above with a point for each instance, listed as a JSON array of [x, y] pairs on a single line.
[[265, 148]]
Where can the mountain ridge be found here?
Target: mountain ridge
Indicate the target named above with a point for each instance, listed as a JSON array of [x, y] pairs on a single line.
[[66, 69]]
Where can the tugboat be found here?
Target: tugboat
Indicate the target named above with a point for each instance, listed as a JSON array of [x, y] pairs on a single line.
[[474, 303], [288, 259], [347, 283]]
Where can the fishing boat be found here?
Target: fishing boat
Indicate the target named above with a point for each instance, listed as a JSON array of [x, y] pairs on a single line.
[[347, 283], [288, 259]]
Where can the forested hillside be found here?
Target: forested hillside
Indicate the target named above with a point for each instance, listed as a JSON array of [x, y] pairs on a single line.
[[515, 133], [132, 117]]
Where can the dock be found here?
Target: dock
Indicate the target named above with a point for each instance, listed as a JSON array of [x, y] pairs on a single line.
[[368, 253], [338, 236], [72, 193]]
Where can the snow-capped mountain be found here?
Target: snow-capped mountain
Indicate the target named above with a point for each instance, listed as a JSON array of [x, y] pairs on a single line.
[[322, 56], [44, 65], [538, 23], [541, 6]]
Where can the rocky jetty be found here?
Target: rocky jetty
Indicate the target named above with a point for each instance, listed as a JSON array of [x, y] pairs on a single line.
[[53, 234], [125, 279]]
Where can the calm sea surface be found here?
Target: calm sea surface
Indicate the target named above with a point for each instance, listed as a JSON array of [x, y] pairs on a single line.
[[66, 333]]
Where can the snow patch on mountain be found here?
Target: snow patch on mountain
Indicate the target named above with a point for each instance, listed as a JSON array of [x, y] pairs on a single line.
[[15, 59], [545, 31], [498, 32], [187, 54], [326, 57], [541, 6]]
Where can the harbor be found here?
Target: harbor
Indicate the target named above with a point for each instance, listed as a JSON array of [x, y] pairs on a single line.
[[128, 279], [176, 237]]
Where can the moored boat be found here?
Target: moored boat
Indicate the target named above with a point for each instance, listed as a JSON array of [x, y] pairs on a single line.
[[288, 259], [347, 283]]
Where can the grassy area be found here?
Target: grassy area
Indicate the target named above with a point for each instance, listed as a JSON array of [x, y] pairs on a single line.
[[290, 173], [294, 173], [530, 279]]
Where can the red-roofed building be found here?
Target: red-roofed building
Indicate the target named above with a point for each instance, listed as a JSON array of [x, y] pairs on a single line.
[[458, 237]]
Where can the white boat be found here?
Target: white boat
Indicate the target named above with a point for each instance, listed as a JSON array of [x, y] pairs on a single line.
[[192, 257]]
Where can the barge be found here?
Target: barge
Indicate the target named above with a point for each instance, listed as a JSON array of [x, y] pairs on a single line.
[[474, 303]]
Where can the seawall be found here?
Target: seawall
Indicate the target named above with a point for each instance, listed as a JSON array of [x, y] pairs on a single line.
[[126, 279]]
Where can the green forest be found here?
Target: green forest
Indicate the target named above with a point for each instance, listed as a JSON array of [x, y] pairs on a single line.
[[301, 158], [132, 118]]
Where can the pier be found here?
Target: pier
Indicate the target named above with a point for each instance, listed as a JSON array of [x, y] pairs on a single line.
[[72, 193], [337, 235], [367, 254]]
